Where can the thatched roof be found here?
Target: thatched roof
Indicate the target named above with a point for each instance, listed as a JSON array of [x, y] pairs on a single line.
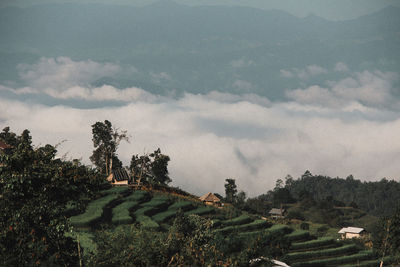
[[209, 197]]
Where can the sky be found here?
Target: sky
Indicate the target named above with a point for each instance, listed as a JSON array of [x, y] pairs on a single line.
[[348, 126], [329, 9]]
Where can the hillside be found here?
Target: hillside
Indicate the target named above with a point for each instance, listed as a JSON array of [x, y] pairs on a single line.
[[119, 208]]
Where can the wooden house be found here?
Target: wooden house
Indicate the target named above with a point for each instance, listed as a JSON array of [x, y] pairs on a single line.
[[277, 213], [210, 199], [352, 232], [119, 177]]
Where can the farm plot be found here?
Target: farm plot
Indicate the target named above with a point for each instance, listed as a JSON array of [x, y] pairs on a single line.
[[298, 235], [243, 219], [171, 211], [255, 225], [323, 242], [120, 213], [93, 211], [309, 255], [201, 211], [150, 208], [337, 260]]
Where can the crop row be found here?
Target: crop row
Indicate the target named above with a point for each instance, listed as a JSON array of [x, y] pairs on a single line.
[[313, 243], [243, 219], [298, 235], [201, 210], [120, 213], [115, 190], [338, 261], [93, 212], [257, 224], [164, 216], [304, 256]]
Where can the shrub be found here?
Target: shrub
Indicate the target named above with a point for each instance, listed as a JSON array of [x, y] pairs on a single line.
[[284, 229], [304, 226], [322, 230], [163, 216], [295, 214], [146, 222], [93, 211], [137, 196]]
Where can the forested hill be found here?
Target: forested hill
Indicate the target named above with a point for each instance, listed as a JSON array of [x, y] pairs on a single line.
[[378, 198]]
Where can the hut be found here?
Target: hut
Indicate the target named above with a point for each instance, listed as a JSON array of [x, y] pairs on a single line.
[[119, 177], [277, 213], [210, 199], [352, 232]]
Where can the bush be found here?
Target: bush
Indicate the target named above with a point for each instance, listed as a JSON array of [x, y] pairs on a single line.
[[322, 230], [295, 214], [304, 226], [93, 211]]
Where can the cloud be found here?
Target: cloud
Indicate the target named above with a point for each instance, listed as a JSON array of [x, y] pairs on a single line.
[[242, 85], [63, 72], [341, 67], [346, 127], [305, 73], [370, 88], [240, 63]]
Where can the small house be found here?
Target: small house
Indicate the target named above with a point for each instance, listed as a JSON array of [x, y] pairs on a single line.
[[352, 232], [119, 177], [277, 213], [210, 199]]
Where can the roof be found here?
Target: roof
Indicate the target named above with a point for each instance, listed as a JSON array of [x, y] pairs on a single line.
[[120, 174], [276, 211], [4, 145], [353, 230], [209, 197]]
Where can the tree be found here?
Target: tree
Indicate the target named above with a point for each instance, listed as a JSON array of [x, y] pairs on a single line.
[[34, 187], [106, 140], [151, 168], [230, 190]]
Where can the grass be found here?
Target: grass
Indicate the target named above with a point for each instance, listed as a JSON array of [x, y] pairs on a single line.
[[85, 241], [93, 211], [147, 222], [312, 244], [137, 196], [337, 261], [201, 211], [242, 219], [164, 216], [307, 255], [116, 190], [255, 225], [120, 213], [298, 235]]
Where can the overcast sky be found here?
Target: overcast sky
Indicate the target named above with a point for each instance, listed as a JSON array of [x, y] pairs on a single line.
[[329, 9]]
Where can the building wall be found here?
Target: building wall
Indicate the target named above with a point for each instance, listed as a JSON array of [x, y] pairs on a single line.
[[352, 235]]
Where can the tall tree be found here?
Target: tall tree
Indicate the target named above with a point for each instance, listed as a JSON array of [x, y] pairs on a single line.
[[151, 168], [106, 140], [230, 190]]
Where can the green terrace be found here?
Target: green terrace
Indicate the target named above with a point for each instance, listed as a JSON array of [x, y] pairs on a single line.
[[121, 206]]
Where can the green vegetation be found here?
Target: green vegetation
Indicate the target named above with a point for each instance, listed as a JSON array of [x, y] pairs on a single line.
[[257, 224], [337, 261], [298, 235], [321, 242], [163, 216], [302, 256], [201, 210], [120, 213], [93, 211], [243, 219]]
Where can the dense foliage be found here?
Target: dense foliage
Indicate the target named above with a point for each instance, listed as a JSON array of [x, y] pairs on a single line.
[[34, 189]]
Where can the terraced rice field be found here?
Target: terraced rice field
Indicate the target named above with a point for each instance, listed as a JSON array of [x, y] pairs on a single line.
[[120, 206]]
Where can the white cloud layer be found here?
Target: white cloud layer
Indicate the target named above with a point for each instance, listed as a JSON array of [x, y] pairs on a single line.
[[339, 130]]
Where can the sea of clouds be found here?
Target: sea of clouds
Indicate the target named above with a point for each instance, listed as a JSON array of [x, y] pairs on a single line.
[[348, 126]]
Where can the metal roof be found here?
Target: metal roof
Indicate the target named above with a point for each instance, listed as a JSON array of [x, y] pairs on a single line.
[[352, 230]]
